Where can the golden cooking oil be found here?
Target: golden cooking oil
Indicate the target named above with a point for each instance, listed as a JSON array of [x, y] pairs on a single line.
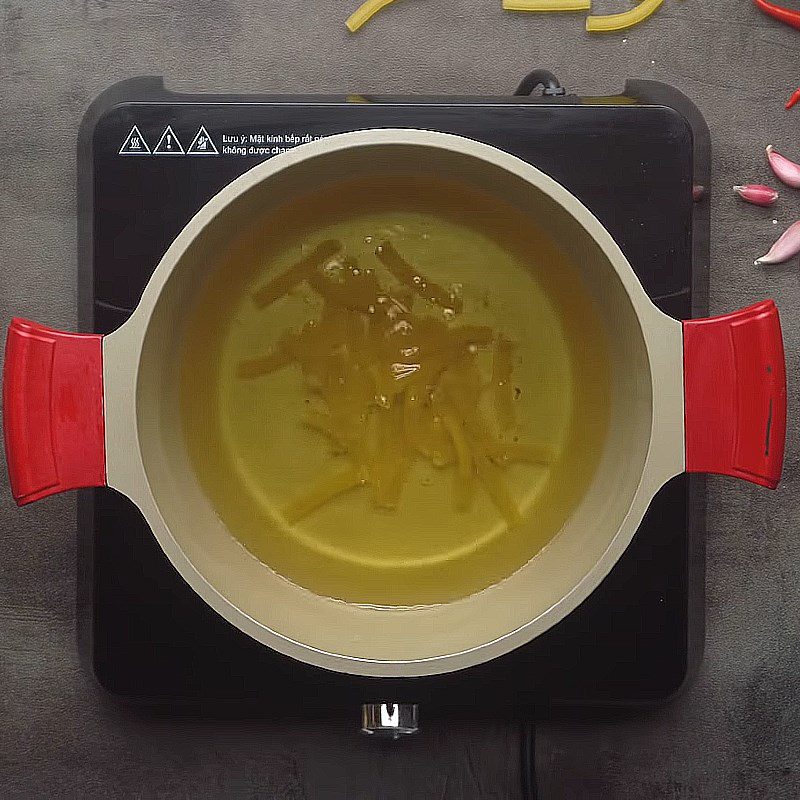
[[254, 452]]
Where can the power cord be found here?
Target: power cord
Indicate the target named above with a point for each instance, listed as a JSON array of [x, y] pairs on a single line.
[[540, 77], [527, 760]]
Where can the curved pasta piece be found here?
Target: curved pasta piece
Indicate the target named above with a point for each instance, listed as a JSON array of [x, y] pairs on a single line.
[[627, 19], [364, 13]]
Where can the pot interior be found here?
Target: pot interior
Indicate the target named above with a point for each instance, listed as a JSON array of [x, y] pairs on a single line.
[[423, 581]]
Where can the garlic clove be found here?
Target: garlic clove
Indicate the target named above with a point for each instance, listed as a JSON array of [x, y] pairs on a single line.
[[784, 169], [788, 245], [757, 194]]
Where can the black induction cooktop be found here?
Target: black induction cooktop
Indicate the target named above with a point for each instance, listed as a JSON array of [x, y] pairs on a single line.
[[148, 159]]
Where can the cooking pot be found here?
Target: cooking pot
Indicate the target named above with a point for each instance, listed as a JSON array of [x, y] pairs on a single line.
[[700, 396]]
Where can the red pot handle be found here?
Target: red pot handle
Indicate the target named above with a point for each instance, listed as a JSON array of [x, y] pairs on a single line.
[[735, 394], [52, 411]]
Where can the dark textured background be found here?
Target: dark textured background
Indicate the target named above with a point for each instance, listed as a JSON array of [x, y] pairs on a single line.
[[736, 731]]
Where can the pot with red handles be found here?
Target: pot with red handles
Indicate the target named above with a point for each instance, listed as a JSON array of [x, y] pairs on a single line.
[[701, 396]]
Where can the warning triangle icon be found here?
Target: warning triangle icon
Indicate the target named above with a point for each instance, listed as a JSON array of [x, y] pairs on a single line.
[[202, 144], [134, 144], [168, 144]]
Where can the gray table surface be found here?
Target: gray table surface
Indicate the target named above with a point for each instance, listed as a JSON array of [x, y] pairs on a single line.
[[734, 734]]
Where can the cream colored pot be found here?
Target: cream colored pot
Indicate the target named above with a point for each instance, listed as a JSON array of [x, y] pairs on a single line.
[[87, 410]]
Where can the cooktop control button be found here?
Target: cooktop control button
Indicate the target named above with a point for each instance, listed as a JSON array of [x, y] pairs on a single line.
[[389, 720]]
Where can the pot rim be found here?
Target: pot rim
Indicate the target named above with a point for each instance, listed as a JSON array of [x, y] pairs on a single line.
[[662, 336]]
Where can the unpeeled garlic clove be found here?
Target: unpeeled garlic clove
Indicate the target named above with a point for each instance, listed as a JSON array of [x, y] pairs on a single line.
[[757, 194], [784, 169], [788, 245]]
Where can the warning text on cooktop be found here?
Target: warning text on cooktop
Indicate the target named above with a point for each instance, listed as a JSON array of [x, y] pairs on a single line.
[[167, 141]]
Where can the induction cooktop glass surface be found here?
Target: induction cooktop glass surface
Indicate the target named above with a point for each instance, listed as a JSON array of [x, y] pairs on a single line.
[[149, 160]]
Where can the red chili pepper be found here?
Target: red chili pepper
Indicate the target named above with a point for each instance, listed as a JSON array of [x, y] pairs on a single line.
[[795, 98], [786, 15]]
